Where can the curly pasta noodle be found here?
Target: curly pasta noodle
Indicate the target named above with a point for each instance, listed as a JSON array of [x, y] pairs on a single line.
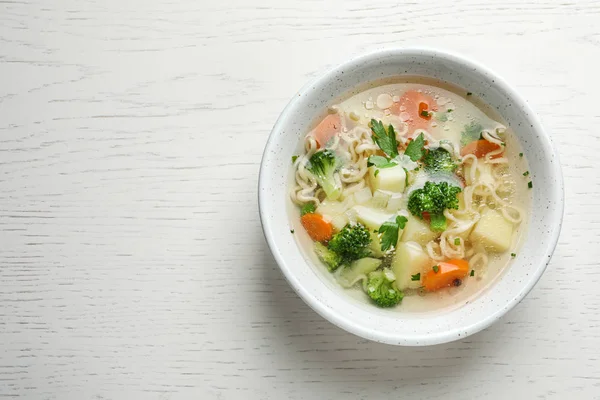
[[480, 192], [354, 146]]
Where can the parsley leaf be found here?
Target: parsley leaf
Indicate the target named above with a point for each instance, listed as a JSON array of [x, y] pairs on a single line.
[[520, 154], [380, 162], [472, 272], [294, 158], [386, 140], [530, 185], [513, 255], [438, 222], [469, 93], [308, 208], [414, 150], [415, 277], [470, 133], [389, 232], [457, 242], [436, 268], [525, 173]]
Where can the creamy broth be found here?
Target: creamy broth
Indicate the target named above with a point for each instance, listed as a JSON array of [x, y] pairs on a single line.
[[447, 118]]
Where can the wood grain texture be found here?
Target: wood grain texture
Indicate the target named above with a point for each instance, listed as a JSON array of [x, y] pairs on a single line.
[[132, 262]]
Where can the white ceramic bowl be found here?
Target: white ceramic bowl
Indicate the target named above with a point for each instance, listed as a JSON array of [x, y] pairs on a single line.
[[393, 326]]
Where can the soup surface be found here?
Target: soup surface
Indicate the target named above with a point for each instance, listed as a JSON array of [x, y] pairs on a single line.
[[412, 192]]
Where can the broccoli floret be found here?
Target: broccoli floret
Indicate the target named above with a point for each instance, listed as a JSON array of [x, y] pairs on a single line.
[[439, 160], [381, 291], [322, 165], [331, 259], [351, 243], [433, 199]]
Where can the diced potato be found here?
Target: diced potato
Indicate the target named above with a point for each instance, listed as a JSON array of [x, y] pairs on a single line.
[[339, 221], [492, 231], [370, 217], [417, 230], [395, 203], [409, 260], [392, 179], [363, 195], [380, 199], [330, 207], [375, 245], [357, 270]]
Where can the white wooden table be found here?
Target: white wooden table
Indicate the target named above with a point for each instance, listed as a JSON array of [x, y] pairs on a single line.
[[132, 262]]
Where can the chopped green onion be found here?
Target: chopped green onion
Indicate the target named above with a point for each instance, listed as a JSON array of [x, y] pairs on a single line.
[[376, 172], [513, 255], [436, 268], [294, 158], [520, 154], [457, 242], [291, 231], [449, 110], [469, 93], [530, 185], [415, 277], [472, 272], [525, 173]]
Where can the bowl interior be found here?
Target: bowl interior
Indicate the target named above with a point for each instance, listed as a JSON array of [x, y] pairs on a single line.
[[392, 326]]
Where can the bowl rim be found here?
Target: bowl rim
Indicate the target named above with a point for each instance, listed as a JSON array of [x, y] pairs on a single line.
[[450, 334]]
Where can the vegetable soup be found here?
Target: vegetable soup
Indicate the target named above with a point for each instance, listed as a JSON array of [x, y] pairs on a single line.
[[413, 193]]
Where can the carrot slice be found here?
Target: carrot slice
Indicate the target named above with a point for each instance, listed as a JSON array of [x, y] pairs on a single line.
[[480, 148], [410, 109], [327, 129], [424, 111], [317, 228], [448, 274]]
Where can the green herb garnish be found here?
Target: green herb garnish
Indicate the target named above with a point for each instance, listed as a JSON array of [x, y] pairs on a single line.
[[472, 272], [530, 185], [525, 173], [469, 93], [425, 114], [376, 172], [294, 158], [520, 154], [385, 139], [457, 242], [389, 232], [415, 277], [291, 231], [513, 255], [380, 162], [414, 150], [436, 268]]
